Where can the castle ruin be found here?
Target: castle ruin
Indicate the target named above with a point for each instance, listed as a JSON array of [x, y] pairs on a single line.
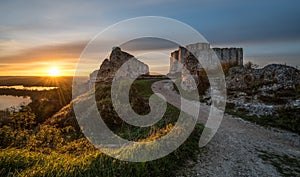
[[183, 61], [233, 56]]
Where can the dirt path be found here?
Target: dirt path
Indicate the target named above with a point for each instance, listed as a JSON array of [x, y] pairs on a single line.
[[239, 147]]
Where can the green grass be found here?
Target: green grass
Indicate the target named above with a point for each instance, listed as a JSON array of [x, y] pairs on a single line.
[[143, 86], [23, 162], [287, 119], [61, 151]]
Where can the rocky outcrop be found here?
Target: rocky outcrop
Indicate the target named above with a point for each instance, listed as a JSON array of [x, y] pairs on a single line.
[[116, 59], [271, 78], [264, 91]]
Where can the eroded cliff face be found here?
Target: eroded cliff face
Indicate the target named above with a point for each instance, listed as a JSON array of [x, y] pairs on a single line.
[[271, 78], [265, 91], [110, 66]]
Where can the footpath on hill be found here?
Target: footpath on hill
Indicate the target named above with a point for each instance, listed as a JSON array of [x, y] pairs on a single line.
[[240, 148]]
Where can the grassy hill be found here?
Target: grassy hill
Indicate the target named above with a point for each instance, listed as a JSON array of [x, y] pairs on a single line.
[[58, 148]]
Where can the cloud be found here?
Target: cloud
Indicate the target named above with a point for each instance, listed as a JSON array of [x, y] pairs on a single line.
[[66, 55], [68, 52], [148, 43], [53, 26], [36, 61]]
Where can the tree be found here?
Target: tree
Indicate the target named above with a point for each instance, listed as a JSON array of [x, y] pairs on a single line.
[[250, 65]]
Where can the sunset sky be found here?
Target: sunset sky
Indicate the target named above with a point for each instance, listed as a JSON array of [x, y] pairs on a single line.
[[36, 36]]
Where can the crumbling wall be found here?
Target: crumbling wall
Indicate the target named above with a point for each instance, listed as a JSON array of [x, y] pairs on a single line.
[[233, 56], [184, 62]]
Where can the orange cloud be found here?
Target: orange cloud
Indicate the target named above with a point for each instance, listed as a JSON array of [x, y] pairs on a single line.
[[37, 61]]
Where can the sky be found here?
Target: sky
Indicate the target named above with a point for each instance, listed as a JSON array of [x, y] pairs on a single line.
[[37, 35]]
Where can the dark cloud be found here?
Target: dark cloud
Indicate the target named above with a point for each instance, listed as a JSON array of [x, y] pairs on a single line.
[[148, 43]]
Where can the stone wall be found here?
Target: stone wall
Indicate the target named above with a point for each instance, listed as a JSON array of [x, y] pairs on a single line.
[[182, 56], [183, 62], [230, 55]]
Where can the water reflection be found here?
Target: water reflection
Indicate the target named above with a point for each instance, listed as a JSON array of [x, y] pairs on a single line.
[[9, 101], [21, 87]]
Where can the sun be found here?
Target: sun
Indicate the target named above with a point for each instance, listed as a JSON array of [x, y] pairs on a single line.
[[53, 72]]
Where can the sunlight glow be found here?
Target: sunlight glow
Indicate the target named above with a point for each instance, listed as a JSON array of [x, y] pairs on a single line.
[[53, 72]]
